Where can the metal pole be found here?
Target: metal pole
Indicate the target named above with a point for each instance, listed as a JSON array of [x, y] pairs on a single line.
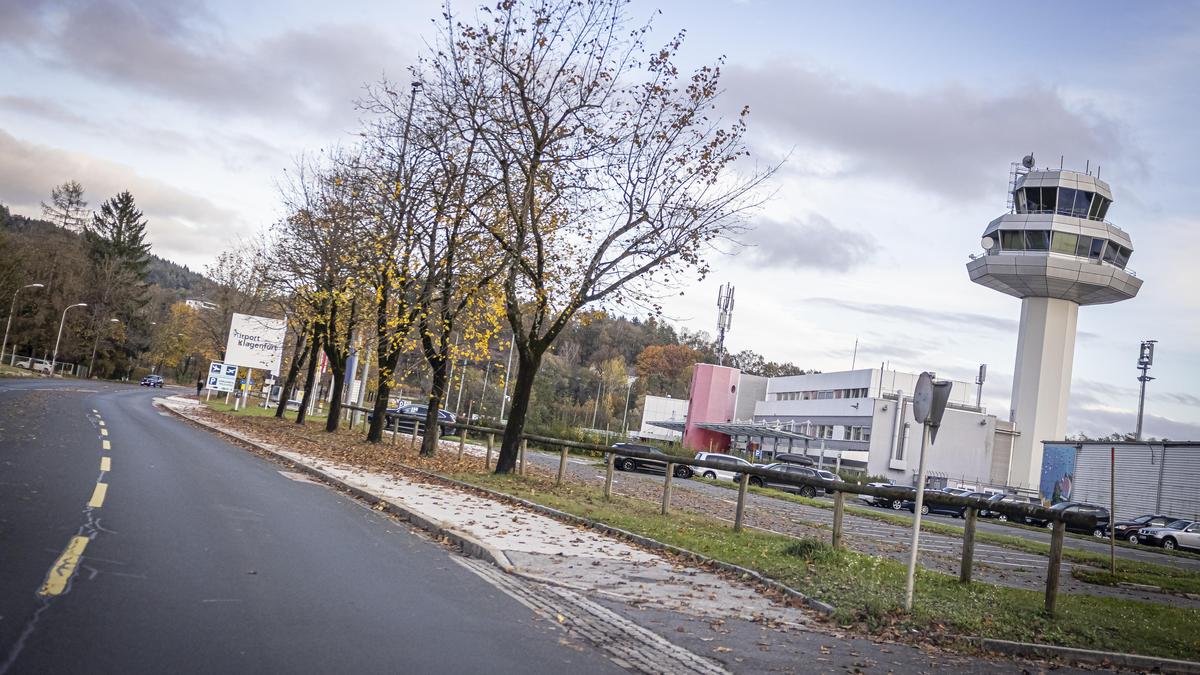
[[1137, 435], [625, 417], [462, 378], [916, 533], [596, 411], [54, 359], [1112, 512], [483, 394], [507, 372]]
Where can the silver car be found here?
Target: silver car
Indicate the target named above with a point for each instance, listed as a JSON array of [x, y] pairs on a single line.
[[1175, 535], [707, 472]]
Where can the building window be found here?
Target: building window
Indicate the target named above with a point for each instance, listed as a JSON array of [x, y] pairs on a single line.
[[1064, 242], [1012, 240], [1037, 240], [1097, 249]]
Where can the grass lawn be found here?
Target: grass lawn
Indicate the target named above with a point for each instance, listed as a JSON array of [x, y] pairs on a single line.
[[868, 590]]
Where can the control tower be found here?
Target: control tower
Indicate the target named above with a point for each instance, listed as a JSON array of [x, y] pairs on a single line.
[[1055, 251]]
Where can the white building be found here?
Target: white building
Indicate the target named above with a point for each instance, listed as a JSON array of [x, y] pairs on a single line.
[[200, 305], [663, 409], [866, 418]]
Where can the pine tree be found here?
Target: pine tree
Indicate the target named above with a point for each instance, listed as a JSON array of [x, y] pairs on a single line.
[[67, 207], [118, 234]]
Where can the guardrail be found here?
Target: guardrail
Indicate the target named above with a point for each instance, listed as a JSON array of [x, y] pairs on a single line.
[[971, 506]]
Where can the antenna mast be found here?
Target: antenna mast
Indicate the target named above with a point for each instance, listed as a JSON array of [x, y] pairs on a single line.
[[724, 318]]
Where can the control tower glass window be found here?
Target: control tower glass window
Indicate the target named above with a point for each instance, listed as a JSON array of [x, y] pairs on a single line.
[[1097, 249], [1064, 242], [1037, 240], [1084, 245], [1012, 240], [1102, 209], [1072, 202]]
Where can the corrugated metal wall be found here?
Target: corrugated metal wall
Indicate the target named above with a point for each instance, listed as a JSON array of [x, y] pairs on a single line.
[[1181, 482], [1146, 482]]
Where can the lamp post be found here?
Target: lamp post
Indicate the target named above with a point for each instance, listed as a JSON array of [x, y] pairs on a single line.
[[1145, 360], [12, 310], [54, 359], [625, 417]]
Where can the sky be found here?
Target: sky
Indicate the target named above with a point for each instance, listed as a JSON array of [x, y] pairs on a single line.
[[895, 125]]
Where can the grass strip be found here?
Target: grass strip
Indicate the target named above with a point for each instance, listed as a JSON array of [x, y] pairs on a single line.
[[868, 590]]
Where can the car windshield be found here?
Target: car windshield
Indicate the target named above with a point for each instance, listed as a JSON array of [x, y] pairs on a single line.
[[1142, 519], [1178, 524]]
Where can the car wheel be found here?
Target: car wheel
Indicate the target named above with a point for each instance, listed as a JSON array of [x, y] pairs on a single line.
[[756, 481], [628, 465], [1003, 517], [682, 471], [1169, 543], [924, 509], [808, 491], [1049, 525], [897, 504], [1132, 538], [1099, 534], [710, 474]]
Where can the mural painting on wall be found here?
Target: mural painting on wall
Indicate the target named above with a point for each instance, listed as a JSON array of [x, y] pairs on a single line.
[[1058, 473]]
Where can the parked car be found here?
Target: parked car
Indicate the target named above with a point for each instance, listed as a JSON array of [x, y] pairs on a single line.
[[793, 458], [404, 417], [1128, 529], [1174, 535], [827, 475], [961, 492], [628, 463], [720, 473], [997, 499], [892, 502], [986, 496], [928, 508], [41, 367], [1098, 529], [872, 500], [152, 381], [795, 469], [23, 363]]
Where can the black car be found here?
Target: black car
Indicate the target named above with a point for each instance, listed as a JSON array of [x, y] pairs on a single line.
[[152, 381], [626, 463], [794, 469], [1128, 529], [927, 507], [1098, 529], [404, 417]]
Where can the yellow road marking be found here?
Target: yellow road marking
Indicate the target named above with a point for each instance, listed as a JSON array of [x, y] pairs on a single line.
[[105, 464], [98, 495], [64, 567], [95, 411], [101, 422], [106, 445], [104, 432]]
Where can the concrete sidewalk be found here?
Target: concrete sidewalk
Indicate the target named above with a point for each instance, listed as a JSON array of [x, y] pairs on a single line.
[[650, 613]]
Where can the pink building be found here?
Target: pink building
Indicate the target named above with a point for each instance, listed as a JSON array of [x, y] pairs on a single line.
[[714, 396]]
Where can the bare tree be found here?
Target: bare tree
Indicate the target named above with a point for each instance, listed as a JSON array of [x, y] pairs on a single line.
[[613, 171], [67, 207]]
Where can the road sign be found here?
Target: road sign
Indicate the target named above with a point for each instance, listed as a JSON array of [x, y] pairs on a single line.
[[221, 376], [255, 342]]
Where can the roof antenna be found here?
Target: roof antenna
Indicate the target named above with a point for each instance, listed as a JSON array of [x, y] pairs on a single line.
[[1060, 162], [1097, 170], [1087, 167]]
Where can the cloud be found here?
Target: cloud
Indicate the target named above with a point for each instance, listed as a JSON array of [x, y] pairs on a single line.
[[957, 320], [813, 243], [949, 140], [180, 223], [42, 108], [1097, 422], [178, 51]]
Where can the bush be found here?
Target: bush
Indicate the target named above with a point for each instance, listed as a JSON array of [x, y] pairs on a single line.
[[807, 548]]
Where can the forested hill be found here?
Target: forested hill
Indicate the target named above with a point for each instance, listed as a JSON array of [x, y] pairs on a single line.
[[160, 271]]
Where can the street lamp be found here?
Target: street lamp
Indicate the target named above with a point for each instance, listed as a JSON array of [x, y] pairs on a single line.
[[12, 310], [625, 417], [54, 359]]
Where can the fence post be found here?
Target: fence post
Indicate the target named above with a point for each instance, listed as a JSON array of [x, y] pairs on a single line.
[[839, 508], [666, 499], [608, 474], [487, 461], [562, 465], [1056, 546], [968, 551], [741, 505], [524, 449]]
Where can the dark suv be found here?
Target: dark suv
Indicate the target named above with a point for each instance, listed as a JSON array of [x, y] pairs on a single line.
[[626, 463], [1128, 529], [794, 469], [403, 418], [793, 458], [1099, 529], [152, 381]]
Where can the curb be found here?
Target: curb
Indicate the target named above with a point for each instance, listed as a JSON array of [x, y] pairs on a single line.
[[1030, 649], [469, 545]]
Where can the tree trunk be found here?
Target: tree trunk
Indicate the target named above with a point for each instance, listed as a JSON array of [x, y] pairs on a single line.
[[309, 381], [387, 366], [436, 393], [298, 357], [527, 367], [335, 400]]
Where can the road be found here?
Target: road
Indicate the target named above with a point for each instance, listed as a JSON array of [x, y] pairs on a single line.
[[133, 542]]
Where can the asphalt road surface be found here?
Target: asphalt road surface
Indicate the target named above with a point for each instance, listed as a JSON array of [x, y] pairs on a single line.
[[133, 542]]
